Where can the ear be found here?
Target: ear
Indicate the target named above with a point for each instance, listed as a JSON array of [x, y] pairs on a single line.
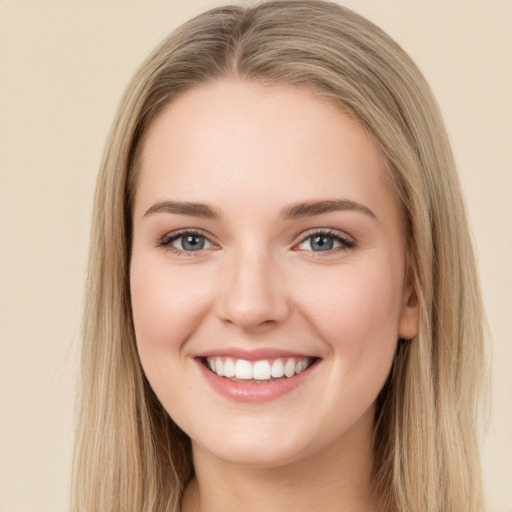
[[408, 325]]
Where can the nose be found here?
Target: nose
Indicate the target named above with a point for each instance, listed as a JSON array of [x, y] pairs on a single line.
[[253, 295]]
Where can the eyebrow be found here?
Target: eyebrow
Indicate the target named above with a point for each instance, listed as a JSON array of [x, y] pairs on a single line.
[[293, 211], [312, 208], [184, 208]]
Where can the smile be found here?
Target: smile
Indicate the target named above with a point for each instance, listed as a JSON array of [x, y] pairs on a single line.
[[265, 370], [257, 375]]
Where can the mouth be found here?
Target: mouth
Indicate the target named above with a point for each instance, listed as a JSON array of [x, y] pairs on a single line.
[[258, 372]]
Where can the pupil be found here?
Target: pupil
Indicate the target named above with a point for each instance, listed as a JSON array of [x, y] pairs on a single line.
[[322, 243], [192, 242]]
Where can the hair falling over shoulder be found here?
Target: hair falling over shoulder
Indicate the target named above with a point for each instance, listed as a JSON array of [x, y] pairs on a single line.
[[130, 456]]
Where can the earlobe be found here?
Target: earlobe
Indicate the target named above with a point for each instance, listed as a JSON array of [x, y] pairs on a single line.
[[409, 316]]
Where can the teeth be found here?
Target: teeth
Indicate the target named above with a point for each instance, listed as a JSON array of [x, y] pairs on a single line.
[[219, 367], [229, 368], [243, 370], [258, 370], [277, 369], [261, 370], [289, 368], [301, 366]]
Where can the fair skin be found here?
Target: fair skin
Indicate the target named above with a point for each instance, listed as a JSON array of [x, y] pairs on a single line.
[[292, 251]]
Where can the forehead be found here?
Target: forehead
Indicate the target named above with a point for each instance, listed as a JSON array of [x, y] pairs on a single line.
[[235, 139]]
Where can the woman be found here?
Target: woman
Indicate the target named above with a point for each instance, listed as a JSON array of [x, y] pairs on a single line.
[[283, 309]]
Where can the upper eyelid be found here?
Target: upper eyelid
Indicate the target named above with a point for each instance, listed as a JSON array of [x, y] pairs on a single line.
[[346, 242], [166, 240], [188, 231], [327, 231]]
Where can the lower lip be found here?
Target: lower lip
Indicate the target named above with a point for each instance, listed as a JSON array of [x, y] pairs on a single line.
[[251, 391]]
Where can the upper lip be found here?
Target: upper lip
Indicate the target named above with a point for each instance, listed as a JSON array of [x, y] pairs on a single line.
[[257, 354]]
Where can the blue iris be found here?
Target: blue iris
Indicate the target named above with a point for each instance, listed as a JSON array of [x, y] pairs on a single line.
[[192, 242], [321, 243]]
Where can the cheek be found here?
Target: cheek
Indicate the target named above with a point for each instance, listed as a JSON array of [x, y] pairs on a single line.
[[355, 310], [166, 307]]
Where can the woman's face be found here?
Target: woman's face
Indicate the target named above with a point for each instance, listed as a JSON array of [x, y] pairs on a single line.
[[267, 272]]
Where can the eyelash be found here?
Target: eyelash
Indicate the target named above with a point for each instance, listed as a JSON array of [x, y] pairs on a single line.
[[346, 242], [166, 241]]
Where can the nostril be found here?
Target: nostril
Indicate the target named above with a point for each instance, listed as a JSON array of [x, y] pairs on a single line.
[[250, 297]]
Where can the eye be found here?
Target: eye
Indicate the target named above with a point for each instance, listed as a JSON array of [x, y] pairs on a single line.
[[185, 242], [325, 241]]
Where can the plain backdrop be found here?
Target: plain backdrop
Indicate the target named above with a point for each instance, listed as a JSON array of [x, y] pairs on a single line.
[[63, 68]]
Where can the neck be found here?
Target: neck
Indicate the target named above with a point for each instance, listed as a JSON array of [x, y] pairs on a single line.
[[338, 477]]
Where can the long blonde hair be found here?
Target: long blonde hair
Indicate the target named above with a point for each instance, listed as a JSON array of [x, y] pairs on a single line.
[[130, 457]]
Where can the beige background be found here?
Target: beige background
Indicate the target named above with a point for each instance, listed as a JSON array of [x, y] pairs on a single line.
[[63, 67]]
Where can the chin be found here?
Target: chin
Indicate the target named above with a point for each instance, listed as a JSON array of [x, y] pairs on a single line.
[[258, 457], [260, 448]]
